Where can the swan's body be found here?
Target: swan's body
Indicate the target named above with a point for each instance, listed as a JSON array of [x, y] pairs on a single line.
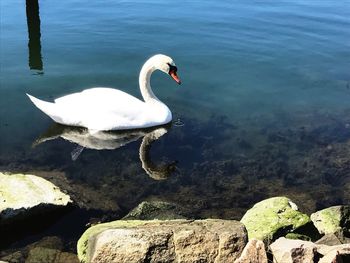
[[106, 109]]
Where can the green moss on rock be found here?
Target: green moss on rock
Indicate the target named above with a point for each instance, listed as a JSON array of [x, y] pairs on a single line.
[[149, 210], [332, 220], [95, 230], [297, 236], [22, 192], [273, 218]]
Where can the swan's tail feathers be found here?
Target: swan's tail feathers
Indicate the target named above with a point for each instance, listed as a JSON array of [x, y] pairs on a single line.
[[48, 108]]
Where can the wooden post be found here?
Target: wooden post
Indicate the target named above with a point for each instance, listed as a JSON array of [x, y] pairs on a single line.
[[34, 43]]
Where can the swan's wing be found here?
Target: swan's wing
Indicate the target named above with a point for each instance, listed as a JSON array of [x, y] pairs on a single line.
[[100, 96], [102, 109], [101, 100]]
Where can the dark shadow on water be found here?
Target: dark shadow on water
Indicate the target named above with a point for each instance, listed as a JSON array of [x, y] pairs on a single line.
[[34, 35]]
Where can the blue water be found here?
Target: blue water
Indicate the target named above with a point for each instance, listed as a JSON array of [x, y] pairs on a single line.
[[265, 99]]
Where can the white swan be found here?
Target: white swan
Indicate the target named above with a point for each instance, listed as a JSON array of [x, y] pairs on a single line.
[[103, 109]]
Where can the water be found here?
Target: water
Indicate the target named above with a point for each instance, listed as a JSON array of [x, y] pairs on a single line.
[[263, 108]]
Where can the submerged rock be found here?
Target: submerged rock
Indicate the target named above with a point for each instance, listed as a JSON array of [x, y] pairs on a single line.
[[149, 210], [335, 219], [163, 241], [45, 255], [23, 193], [47, 250], [272, 218], [84, 196]]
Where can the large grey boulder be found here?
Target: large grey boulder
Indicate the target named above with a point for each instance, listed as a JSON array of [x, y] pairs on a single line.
[[163, 241], [335, 219], [272, 218], [21, 194]]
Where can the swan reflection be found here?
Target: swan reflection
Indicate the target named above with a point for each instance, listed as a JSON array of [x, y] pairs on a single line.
[[102, 140]]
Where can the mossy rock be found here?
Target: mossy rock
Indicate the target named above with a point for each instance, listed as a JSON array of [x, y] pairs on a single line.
[[273, 218], [82, 245], [22, 193], [334, 219], [149, 210]]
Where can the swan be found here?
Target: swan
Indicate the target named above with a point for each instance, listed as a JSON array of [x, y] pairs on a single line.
[[104, 109]]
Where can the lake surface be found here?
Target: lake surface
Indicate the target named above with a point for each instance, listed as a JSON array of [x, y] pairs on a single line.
[[264, 108]]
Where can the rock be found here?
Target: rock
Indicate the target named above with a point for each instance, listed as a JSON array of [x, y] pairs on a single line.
[[163, 241], [22, 193], [42, 255], [272, 218], [325, 250], [287, 250], [65, 257], [45, 255], [53, 242], [13, 257], [48, 249], [254, 252], [149, 210], [338, 255], [290, 251], [329, 240], [332, 220]]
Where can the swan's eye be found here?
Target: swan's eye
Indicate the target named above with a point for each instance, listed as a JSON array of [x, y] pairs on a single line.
[[172, 68]]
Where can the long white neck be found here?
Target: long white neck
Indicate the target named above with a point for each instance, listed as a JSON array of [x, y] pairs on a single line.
[[145, 82]]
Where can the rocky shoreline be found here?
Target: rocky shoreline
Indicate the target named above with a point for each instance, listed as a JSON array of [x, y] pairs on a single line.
[[273, 230]]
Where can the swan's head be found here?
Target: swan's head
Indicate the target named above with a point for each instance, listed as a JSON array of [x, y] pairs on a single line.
[[167, 65]]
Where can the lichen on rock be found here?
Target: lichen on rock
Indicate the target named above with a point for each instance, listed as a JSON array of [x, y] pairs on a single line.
[[148, 210], [19, 193], [332, 219], [272, 218]]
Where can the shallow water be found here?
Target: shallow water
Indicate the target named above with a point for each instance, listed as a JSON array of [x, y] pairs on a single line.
[[264, 105]]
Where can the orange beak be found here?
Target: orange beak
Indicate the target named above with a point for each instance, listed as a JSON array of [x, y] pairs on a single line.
[[175, 77]]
